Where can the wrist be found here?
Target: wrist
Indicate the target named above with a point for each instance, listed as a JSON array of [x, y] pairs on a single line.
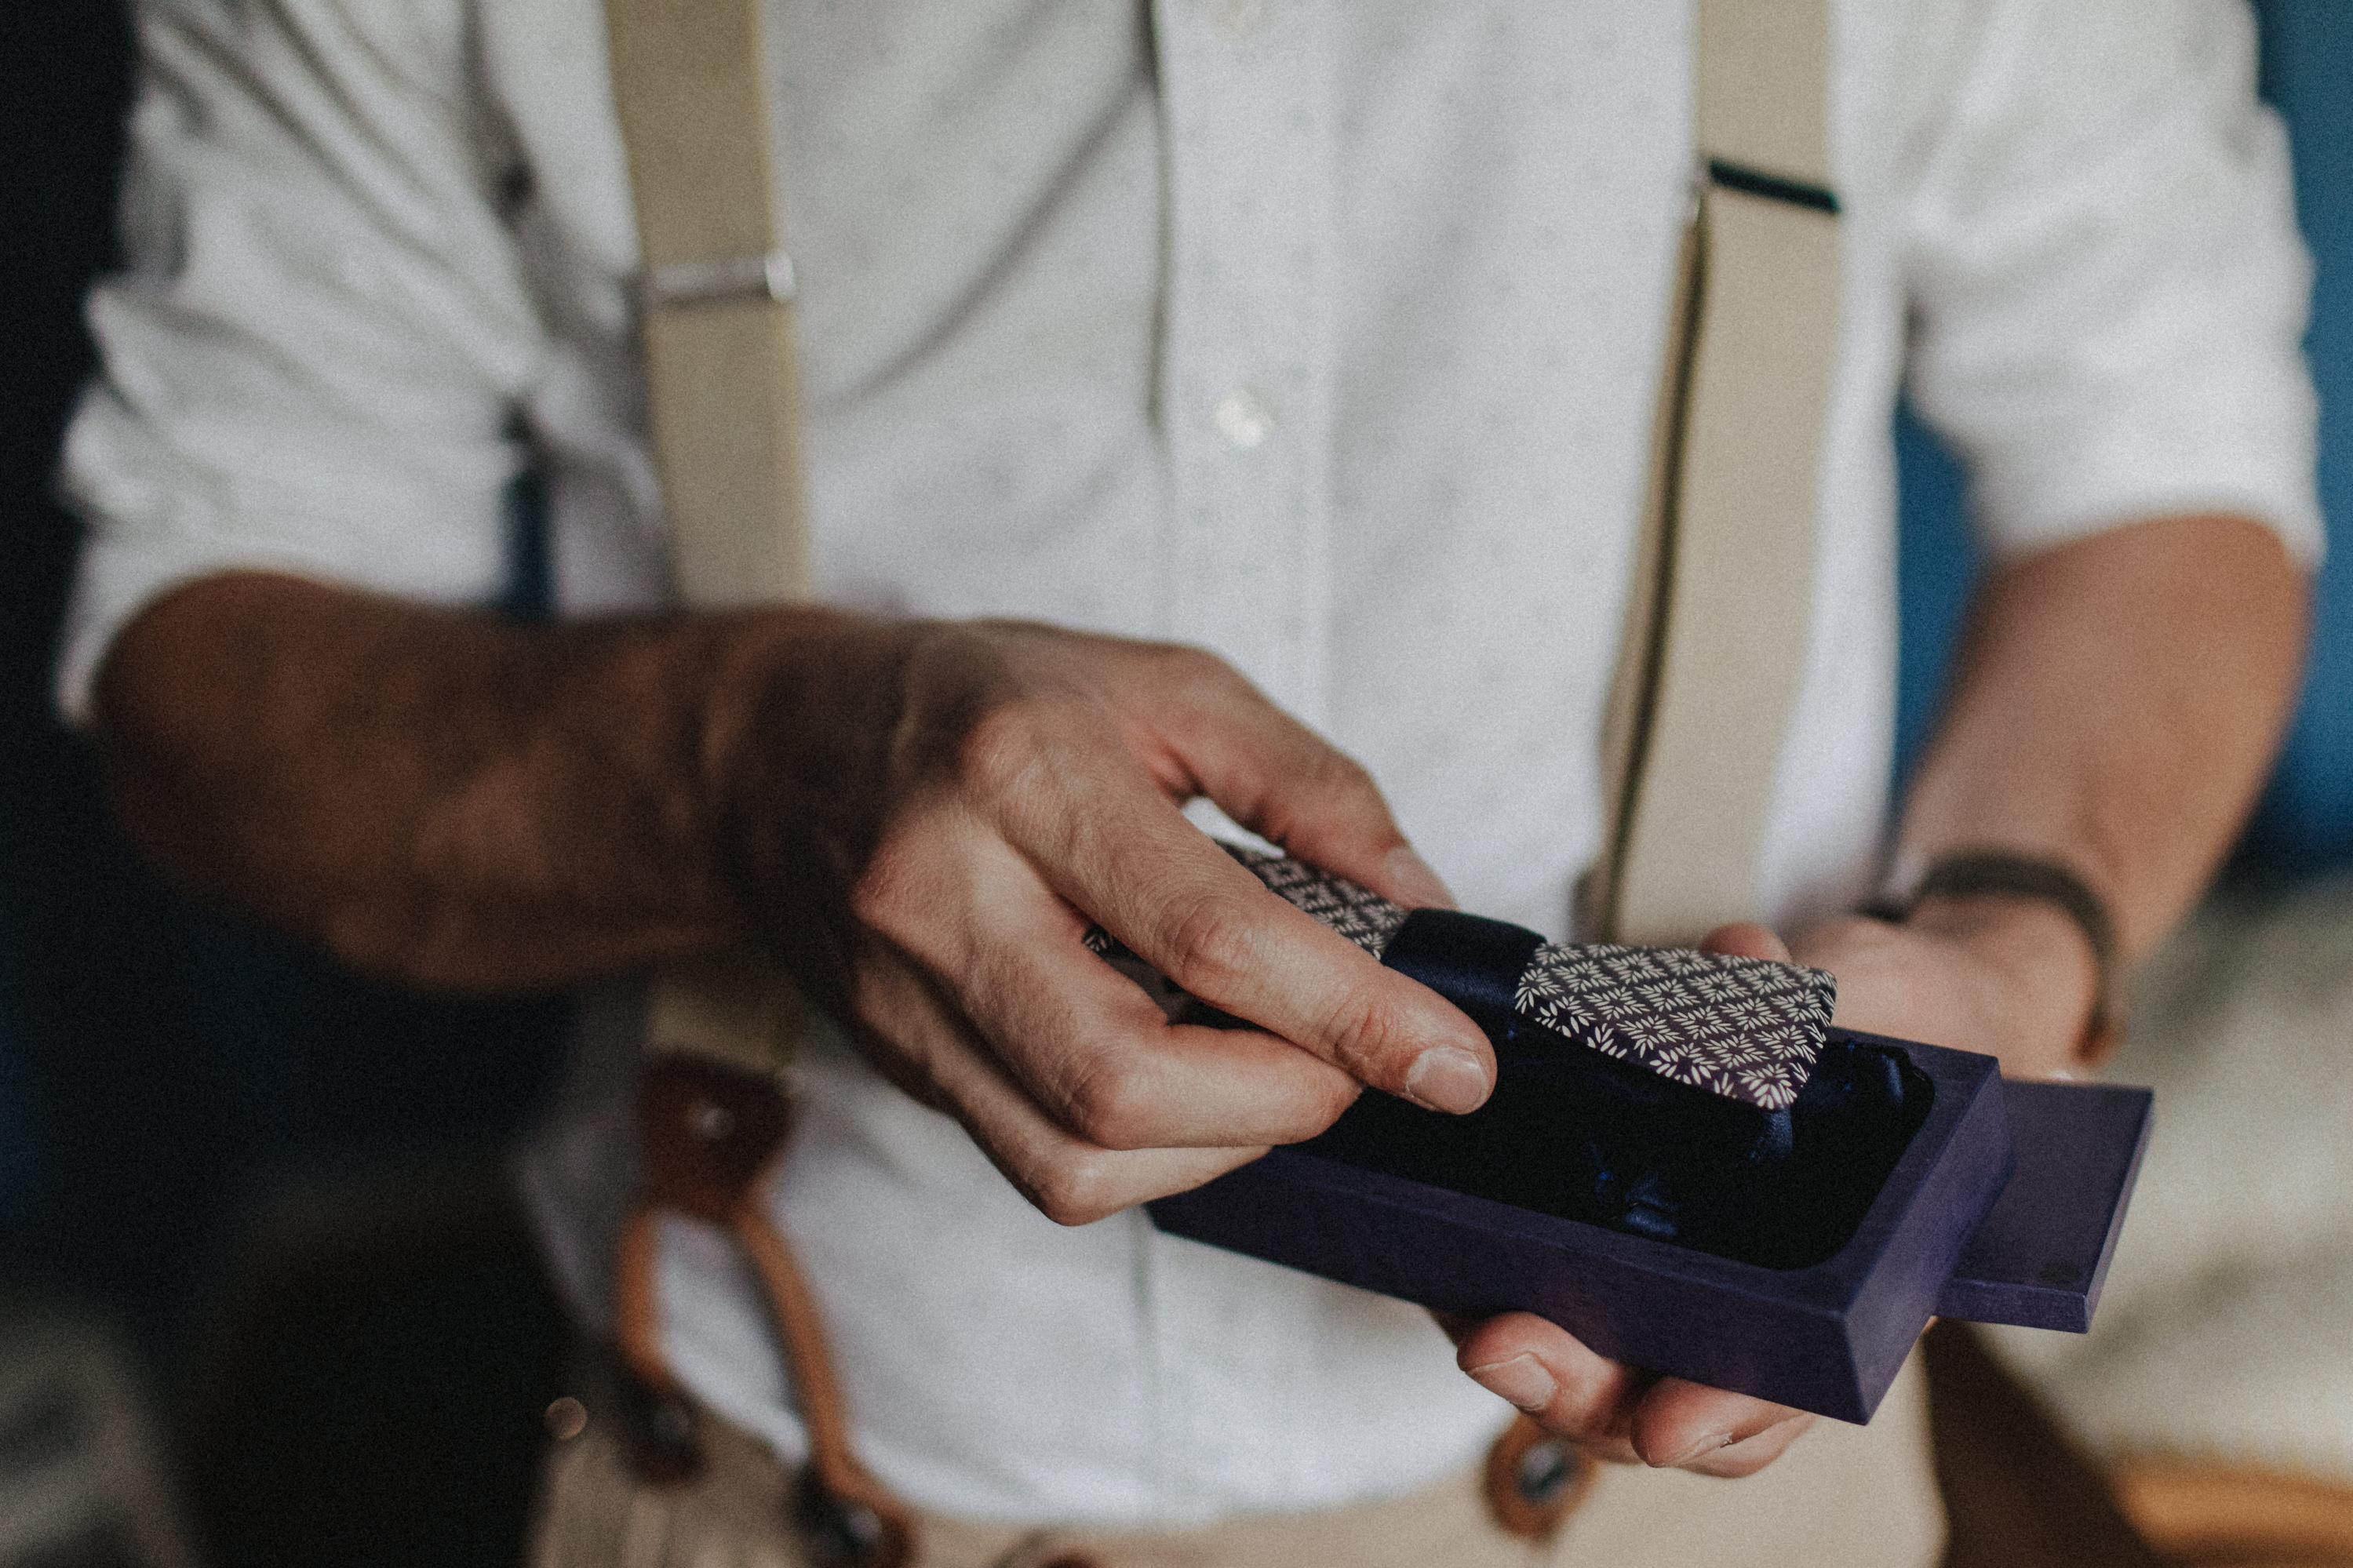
[[798, 708], [2047, 968], [2036, 923]]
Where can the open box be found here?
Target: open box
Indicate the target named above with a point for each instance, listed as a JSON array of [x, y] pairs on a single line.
[[2003, 1206]]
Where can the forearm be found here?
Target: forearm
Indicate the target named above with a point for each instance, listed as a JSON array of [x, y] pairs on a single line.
[[918, 818], [2116, 705], [434, 796]]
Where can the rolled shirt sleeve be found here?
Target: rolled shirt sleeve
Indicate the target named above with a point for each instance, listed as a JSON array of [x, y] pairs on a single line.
[[312, 362], [2108, 287]]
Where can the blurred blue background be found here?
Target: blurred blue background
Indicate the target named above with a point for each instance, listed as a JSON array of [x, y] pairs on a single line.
[[2304, 824]]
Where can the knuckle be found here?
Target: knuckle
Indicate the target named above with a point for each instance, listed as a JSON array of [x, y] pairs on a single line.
[[884, 890], [1197, 678], [1189, 665], [1331, 788], [1207, 947], [1324, 1104], [1310, 1101], [1031, 749], [1336, 773], [1364, 1034], [1343, 787], [1076, 1189], [1001, 746], [1112, 1105]]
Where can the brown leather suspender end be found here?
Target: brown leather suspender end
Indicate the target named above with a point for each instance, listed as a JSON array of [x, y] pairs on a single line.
[[1533, 1481], [714, 1135]]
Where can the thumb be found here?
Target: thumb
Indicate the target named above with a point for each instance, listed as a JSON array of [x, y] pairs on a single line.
[[1746, 938]]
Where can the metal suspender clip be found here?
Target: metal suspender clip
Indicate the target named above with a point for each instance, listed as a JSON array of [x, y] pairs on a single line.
[[717, 281]]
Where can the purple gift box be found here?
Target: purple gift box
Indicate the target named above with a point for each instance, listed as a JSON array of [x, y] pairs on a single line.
[[2003, 1208]]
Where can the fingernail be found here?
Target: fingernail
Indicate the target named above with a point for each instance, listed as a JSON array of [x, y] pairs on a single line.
[[1445, 1079], [1411, 875], [1699, 1450], [1522, 1380]]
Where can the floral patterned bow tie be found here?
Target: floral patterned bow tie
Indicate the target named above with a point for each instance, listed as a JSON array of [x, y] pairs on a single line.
[[1746, 1029]]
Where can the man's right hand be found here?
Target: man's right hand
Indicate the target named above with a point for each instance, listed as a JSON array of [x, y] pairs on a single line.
[[929, 825], [923, 817]]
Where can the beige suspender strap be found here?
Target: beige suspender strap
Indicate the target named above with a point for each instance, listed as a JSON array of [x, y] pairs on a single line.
[[717, 297], [1761, 87], [722, 377], [1720, 617]]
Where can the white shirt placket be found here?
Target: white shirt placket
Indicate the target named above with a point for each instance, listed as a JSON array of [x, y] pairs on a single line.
[[1249, 105]]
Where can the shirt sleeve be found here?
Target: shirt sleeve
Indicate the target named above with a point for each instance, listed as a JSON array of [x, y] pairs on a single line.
[[311, 362], [2109, 289]]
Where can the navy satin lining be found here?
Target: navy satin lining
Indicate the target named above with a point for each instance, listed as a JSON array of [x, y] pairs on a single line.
[[1573, 1132], [1469, 960]]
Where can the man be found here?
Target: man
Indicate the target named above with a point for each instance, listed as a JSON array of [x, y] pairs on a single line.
[[1319, 338]]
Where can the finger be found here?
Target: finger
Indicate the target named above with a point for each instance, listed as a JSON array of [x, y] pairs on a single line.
[[1750, 1455], [918, 1041], [1087, 1045], [1687, 1426], [1223, 937], [1548, 1373], [1745, 939], [1214, 730], [1120, 851], [1098, 1056]]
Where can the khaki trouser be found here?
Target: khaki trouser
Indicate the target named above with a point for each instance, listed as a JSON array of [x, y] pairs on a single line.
[[1842, 1495]]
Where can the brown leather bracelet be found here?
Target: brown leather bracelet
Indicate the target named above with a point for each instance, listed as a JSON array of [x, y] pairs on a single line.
[[1994, 872]]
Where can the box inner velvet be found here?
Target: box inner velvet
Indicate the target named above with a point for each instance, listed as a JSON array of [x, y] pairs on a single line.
[[1572, 1133]]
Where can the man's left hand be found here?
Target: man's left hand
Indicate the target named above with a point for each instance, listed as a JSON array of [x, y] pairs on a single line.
[[2007, 977]]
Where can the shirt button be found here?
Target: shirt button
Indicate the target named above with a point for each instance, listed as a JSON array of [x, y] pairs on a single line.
[[1240, 19], [1244, 417]]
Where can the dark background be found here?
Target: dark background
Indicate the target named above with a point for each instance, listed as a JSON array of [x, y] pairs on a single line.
[[283, 1183], [287, 1184]]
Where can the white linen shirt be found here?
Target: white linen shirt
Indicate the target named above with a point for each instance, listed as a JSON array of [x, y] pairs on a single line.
[[1322, 334]]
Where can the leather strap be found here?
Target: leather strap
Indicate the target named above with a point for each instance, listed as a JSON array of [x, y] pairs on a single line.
[[712, 1137], [1719, 619], [1533, 1481], [1980, 872]]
